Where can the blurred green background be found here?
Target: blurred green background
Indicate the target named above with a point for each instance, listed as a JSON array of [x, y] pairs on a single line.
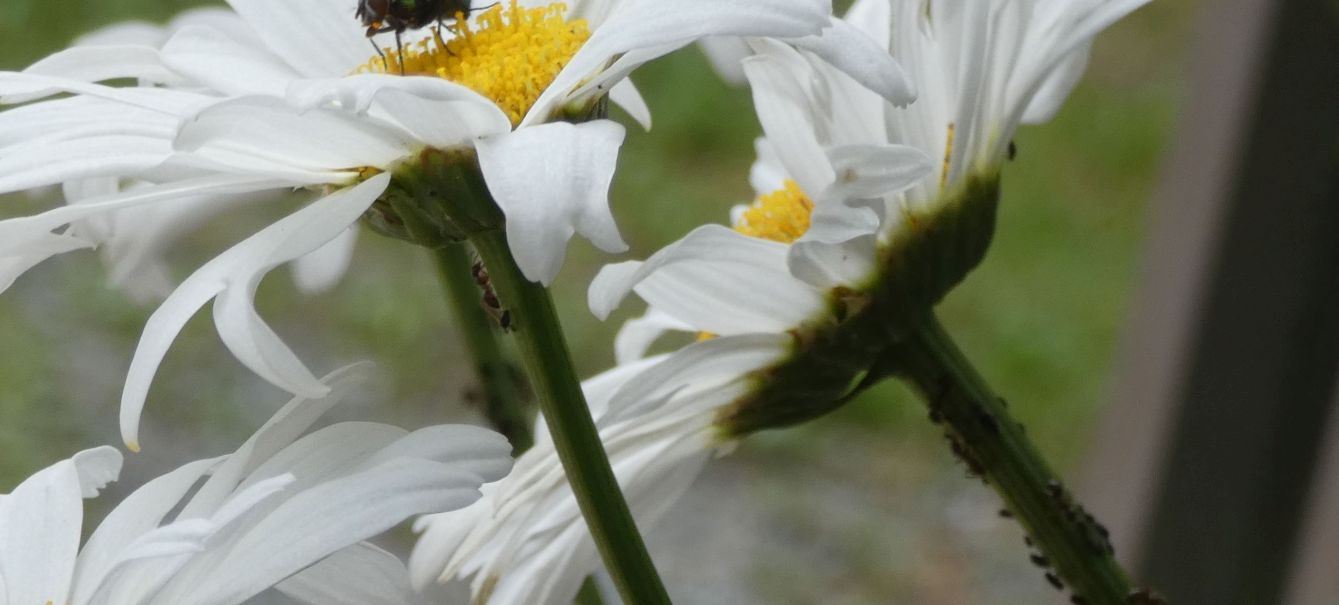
[[864, 506]]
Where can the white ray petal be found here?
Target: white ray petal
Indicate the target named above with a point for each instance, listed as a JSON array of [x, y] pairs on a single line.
[[136, 515], [665, 27], [223, 63], [625, 95], [857, 55], [321, 270], [106, 62], [638, 334], [40, 520], [361, 574], [319, 38], [787, 117], [240, 267], [552, 181], [257, 132], [321, 520], [715, 280]]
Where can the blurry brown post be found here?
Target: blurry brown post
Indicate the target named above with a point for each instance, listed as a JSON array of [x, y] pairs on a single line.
[[1208, 449]]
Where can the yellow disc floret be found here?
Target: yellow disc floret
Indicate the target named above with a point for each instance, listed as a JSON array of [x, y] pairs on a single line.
[[509, 54], [780, 216]]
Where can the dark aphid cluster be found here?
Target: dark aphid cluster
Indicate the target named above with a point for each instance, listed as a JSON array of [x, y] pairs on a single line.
[[381, 16], [490, 303]]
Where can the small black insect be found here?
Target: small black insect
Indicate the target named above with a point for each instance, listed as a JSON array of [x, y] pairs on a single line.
[[1013, 151], [382, 16], [490, 302]]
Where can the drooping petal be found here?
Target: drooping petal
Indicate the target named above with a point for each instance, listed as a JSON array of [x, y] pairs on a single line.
[[138, 514], [14, 264], [361, 574], [242, 267], [708, 362], [638, 334], [625, 95], [715, 280], [287, 424], [322, 269], [40, 520], [326, 518], [552, 181], [26, 241], [725, 55]]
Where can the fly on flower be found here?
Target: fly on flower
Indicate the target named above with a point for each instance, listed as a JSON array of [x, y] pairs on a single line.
[[381, 16]]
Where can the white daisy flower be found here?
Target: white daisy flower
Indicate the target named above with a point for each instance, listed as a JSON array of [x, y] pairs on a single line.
[[285, 510], [288, 97], [845, 179]]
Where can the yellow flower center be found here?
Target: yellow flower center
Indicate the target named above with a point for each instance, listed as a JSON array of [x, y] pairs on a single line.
[[780, 216], [510, 54]]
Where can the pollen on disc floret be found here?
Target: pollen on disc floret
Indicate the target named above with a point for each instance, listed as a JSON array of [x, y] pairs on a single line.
[[509, 53], [780, 216]]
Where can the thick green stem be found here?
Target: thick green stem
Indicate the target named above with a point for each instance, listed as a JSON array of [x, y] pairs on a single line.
[[534, 323], [504, 402], [1074, 550]]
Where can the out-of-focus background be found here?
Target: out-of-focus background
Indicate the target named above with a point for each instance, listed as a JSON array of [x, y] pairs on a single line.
[[864, 506]]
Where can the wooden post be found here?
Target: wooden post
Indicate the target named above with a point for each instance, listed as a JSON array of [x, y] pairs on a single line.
[[1224, 382]]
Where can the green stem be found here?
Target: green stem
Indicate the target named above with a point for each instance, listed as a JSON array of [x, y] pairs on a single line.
[[589, 594], [1074, 549], [504, 403], [544, 350]]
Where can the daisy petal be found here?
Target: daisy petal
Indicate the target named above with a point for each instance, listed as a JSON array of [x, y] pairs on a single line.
[[290, 422], [42, 163], [318, 38], [785, 111], [715, 280], [1057, 86], [40, 520], [98, 63], [47, 246], [241, 267], [852, 51], [869, 171], [322, 269], [326, 518], [259, 132], [667, 26], [704, 363], [637, 335], [136, 515], [551, 181], [225, 64], [625, 95], [361, 574]]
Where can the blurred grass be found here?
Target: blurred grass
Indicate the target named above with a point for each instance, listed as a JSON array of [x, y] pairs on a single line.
[[1041, 315]]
